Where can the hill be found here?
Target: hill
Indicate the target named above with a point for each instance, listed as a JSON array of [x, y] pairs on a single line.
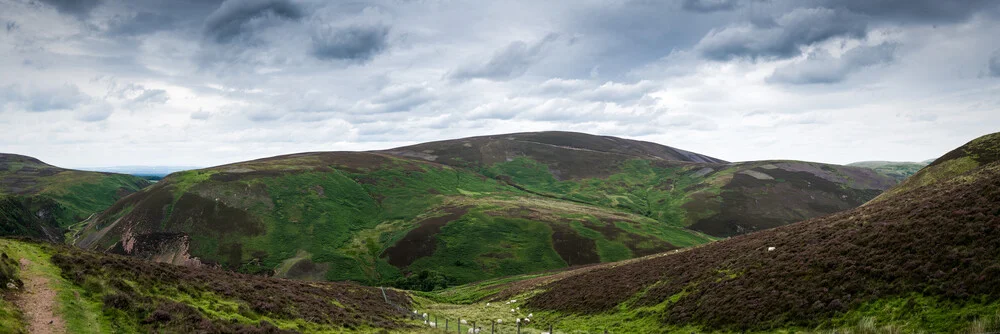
[[99, 293], [981, 151], [390, 218], [370, 218], [897, 170], [41, 200], [921, 259], [674, 186]]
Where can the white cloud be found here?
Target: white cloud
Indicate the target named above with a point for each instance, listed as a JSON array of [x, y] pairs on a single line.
[[122, 82]]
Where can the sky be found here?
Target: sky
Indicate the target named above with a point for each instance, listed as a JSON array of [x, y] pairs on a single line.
[[202, 83]]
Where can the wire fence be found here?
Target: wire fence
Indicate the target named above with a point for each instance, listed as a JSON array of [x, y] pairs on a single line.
[[498, 326]]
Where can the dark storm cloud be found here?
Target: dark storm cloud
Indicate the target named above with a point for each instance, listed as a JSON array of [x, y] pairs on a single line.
[[822, 68], [139, 24], [930, 11], [235, 18], [705, 6], [791, 31], [353, 43], [994, 65], [78, 8], [507, 63]]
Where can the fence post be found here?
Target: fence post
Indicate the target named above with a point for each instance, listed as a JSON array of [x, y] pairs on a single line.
[[446, 324], [493, 326], [518, 327], [459, 324], [473, 327], [550, 328]]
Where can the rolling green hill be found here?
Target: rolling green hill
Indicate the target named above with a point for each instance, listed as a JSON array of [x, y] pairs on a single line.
[[897, 170], [667, 184], [434, 216], [921, 259], [42, 201], [370, 218]]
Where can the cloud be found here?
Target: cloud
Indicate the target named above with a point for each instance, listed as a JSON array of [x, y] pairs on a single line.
[[820, 67], [235, 18], [95, 112], [35, 99], [994, 65], [917, 11], [201, 115], [147, 98], [706, 6], [793, 30], [353, 43], [78, 8], [507, 63], [11, 26], [141, 23]]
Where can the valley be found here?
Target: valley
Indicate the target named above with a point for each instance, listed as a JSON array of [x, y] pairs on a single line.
[[631, 247]]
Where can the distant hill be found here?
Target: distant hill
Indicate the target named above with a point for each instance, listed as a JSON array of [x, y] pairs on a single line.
[[922, 258], [668, 184], [143, 171], [41, 200], [439, 214], [897, 170]]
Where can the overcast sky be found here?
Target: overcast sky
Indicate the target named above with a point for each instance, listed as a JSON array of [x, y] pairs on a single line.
[[103, 82]]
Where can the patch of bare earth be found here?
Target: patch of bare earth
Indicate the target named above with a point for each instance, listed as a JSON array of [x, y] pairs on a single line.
[[38, 302]]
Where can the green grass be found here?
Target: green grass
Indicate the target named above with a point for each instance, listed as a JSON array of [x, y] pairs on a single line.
[[78, 309]]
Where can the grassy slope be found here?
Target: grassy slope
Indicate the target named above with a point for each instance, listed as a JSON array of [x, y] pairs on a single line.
[[980, 151], [897, 170], [40, 200], [335, 216], [111, 294], [887, 266]]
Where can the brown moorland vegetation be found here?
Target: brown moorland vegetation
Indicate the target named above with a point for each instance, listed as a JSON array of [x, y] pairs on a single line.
[[940, 240]]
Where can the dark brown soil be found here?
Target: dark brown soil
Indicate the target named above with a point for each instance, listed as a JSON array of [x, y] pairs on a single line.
[[941, 240], [421, 241]]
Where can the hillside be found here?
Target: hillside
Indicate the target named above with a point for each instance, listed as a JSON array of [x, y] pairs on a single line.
[[91, 292], [921, 259], [667, 184], [897, 170], [40, 200], [981, 151], [370, 218], [391, 219]]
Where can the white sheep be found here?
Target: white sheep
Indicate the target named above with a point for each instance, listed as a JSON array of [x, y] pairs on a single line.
[[530, 315], [474, 330], [433, 324], [518, 320], [487, 304], [771, 249], [513, 300], [517, 308], [463, 322], [511, 310], [425, 315], [499, 321]]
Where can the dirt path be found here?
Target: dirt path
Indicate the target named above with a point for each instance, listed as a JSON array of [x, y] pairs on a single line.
[[38, 302]]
